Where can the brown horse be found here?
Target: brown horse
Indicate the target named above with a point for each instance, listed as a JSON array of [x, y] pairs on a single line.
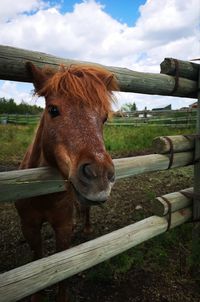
[[69, 137]]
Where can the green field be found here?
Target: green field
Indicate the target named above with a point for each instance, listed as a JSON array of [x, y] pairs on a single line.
[[126, 138], [14, 139]]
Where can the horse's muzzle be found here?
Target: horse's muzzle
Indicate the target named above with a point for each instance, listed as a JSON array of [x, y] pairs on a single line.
[[86, 201], [92, 183]]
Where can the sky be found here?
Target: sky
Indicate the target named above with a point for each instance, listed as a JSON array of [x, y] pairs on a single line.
[[137, 34]]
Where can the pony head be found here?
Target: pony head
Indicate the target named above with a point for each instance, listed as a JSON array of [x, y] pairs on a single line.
[[78, 101]]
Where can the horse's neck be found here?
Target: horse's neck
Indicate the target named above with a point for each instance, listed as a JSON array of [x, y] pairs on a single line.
[[34, 156]]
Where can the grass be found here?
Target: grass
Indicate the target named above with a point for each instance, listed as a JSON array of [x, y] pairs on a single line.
[[126, 138], [14, 139]]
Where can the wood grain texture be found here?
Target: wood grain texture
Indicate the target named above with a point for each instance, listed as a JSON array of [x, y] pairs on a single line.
[[177, 201], [30, 278], [40, 181], [196, 204], [12, 67], [180, 143], [186, 69]]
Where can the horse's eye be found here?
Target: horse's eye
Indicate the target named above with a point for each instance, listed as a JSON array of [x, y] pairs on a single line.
[[53, 111]]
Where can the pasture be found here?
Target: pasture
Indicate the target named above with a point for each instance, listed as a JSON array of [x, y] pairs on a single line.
[[158, 270], [119, 140]]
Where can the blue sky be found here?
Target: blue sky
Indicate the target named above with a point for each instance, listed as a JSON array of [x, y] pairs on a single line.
[[124, 11], [136, 34]]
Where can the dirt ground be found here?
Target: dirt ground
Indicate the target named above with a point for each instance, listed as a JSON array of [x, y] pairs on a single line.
[[129, 196]]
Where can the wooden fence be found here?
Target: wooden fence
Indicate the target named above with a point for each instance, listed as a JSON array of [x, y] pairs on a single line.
[[30, 278], [19, 119], [161, 122], [172, 118], [183, 118]]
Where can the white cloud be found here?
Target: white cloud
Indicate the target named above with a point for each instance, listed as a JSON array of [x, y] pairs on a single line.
[[171, 27], [10, 9], [163, 21], [10, 90], [164, 28], [19, 92]]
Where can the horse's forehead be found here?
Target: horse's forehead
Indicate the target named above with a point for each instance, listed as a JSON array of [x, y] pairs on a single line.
[[82, 110], [68, 102]]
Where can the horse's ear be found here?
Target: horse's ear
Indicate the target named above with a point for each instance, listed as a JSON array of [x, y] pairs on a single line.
[[111, 82], [38, 77]]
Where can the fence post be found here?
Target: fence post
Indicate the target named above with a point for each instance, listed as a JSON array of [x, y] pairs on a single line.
[[16, 119], [196, 203]]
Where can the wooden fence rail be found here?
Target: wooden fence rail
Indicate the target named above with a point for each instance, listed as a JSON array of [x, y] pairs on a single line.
[[19, 119], [172, 202], [40, 181], [157, 112], [185, 69], [12, 67], [30, 278]]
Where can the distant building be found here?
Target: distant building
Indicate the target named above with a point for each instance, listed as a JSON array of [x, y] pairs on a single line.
[[184, 108], [168, 107], [193, 106]]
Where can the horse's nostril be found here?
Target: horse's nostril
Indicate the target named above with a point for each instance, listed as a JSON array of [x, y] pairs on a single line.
[[88, 171], [111, 176]]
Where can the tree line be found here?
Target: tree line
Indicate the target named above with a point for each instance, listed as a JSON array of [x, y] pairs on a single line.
[[129, 107], [10, 107]]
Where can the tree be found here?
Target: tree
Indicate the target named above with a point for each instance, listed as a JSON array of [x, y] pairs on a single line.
[[9, 106], [129, 107]]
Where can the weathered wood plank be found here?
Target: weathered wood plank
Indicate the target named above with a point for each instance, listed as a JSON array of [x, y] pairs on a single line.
[[177, 200], [130, 166], [30, 182], [196, 204], [23, 281], [185, 69], [196, 201], [141, 123], [12, 67], [180, 143], [40, 181]]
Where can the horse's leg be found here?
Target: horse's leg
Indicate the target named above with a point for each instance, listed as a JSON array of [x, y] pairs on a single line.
[[31, 223], [63, 239], [61, 219], [83, 213], [32, 235], [87, 224]]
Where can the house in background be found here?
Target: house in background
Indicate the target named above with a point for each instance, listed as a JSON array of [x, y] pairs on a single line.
[[193, 106], [168, 107]]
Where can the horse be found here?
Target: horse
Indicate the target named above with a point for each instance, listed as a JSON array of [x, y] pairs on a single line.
[[69, 137]]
